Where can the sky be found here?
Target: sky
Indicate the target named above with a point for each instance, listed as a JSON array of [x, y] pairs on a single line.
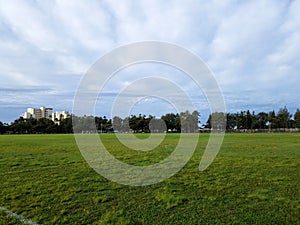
[[251, 47]]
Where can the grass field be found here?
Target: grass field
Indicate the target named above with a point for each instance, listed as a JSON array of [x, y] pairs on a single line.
[[255, 179]]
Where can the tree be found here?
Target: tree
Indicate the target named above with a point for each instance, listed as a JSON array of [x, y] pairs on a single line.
[[208, 122], [196, 121], [3, 128], [186, 122], [44, 125], [272, 120], [297, 118], [241, 120], [125, 125], [157, 125], [32, 125], [262, 119], [172, 121], [217, 121], [249, 120], [117, 123], [19, 126], [133, 123], [84, 124], [103, 124], [189, 122], [65, 126], [283, 118], [231, 121]]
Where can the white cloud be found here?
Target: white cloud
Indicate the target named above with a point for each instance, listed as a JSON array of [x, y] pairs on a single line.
[[250, 45], [28, 22], [288, 50], [243, 38]]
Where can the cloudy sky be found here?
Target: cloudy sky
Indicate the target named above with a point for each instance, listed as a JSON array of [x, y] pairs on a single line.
[[46, 47]]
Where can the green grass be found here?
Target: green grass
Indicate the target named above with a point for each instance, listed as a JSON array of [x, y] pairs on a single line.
[[255, 179]]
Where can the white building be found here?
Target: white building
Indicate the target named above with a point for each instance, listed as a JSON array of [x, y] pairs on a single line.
[[36, 113], [58, 116], [44, 112], [26, 115]]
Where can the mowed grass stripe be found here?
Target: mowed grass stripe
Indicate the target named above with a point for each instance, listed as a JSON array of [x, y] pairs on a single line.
[[253, 180], [17, 217]]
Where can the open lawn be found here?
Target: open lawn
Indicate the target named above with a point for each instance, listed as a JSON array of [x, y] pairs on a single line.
[[255, 179]]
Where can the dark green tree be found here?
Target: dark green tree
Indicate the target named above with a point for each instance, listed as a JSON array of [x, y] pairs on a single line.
[[3, 128], [297, 118], [261, 120], [272, 120], [65, 126], [103, 124], [231, 121], [172, 121], [19, 126], [249, 120], [241, 123], [140, 124], [44, 125], [283, 118]]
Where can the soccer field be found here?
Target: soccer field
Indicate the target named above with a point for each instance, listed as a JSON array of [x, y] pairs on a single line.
[[255, 179]]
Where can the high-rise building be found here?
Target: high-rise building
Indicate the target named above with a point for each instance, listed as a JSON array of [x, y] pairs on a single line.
[[44, 112]]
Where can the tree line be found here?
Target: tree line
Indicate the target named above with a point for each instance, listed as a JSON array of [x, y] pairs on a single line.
[[170, 122], [262, 120], [36, 126], [182, 122]]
